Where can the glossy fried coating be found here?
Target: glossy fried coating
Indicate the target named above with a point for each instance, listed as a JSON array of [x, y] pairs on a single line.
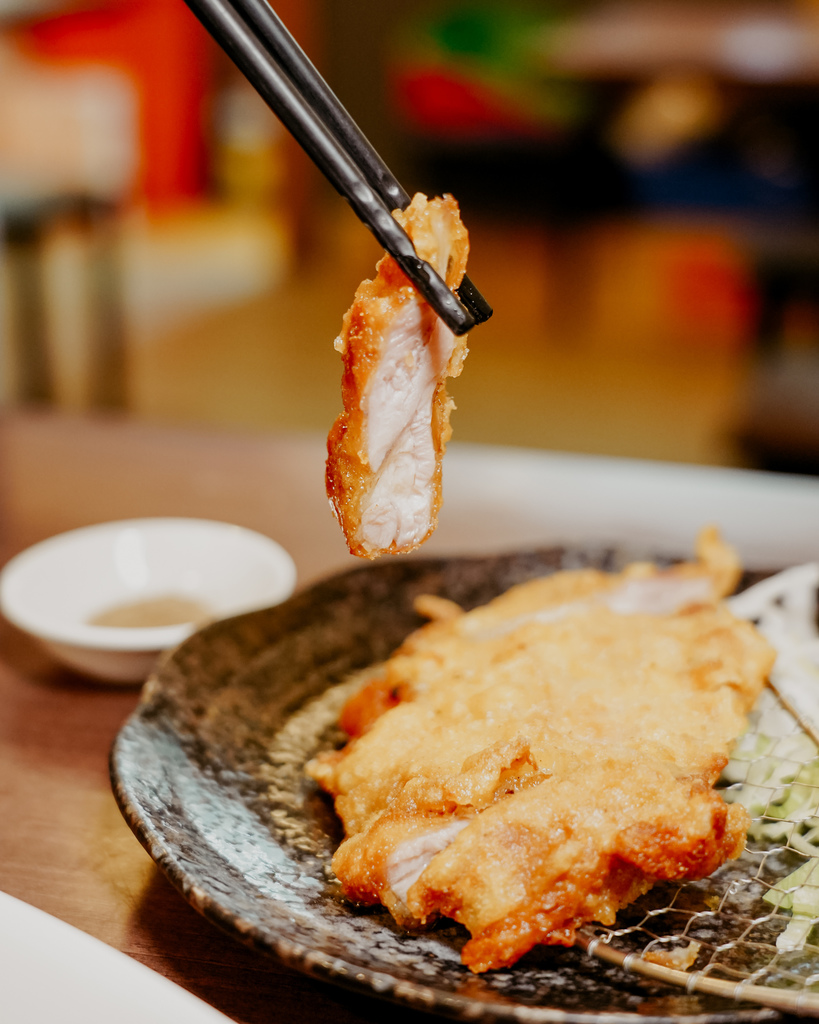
[[541, 761], [385, 449]]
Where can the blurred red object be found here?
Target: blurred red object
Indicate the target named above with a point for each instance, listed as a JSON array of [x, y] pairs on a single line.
[[711, 294], [169, 58], [444, 103]]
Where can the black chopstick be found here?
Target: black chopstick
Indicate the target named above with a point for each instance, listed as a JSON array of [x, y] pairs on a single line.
[[243, 39], [290, 58]]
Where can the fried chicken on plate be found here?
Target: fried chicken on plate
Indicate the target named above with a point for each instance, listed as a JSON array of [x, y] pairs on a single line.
[[385, 449], [539, 762]]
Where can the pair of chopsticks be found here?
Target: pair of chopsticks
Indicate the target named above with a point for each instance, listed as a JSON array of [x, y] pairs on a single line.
[[256, 40]]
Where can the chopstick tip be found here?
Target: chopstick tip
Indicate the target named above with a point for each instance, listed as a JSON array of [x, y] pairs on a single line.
[[474, 301]]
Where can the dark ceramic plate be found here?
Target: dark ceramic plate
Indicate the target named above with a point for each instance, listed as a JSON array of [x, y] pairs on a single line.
[[209, 774]]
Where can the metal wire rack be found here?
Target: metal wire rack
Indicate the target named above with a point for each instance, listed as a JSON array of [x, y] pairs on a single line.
[[742, 933]]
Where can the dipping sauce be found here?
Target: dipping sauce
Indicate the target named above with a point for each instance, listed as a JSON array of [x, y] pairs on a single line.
[[156, 611]]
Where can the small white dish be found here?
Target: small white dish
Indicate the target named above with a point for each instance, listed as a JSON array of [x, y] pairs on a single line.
[[205, 570]]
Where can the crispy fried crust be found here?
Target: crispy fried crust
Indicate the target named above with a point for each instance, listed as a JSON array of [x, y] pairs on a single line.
[[550, 755], [383, 472]]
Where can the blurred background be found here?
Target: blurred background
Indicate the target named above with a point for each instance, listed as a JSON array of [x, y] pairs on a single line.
[[640, 179]]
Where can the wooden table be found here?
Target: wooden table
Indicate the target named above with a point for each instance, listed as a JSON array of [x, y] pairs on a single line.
[[64, 847]]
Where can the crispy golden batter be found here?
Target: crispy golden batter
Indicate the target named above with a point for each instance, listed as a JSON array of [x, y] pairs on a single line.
[[541, 761], [385, 449]]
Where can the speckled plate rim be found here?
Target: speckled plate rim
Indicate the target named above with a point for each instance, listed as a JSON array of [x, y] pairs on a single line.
[[315, 962]]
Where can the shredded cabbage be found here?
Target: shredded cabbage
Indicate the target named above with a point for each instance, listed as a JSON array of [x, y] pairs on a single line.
[[774, 770]]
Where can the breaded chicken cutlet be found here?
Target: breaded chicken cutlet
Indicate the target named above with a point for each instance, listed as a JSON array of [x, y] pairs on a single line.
[[542, 761], [384, 451]]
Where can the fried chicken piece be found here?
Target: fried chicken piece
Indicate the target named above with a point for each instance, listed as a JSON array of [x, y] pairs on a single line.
[[545, 759], [385, 449]]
